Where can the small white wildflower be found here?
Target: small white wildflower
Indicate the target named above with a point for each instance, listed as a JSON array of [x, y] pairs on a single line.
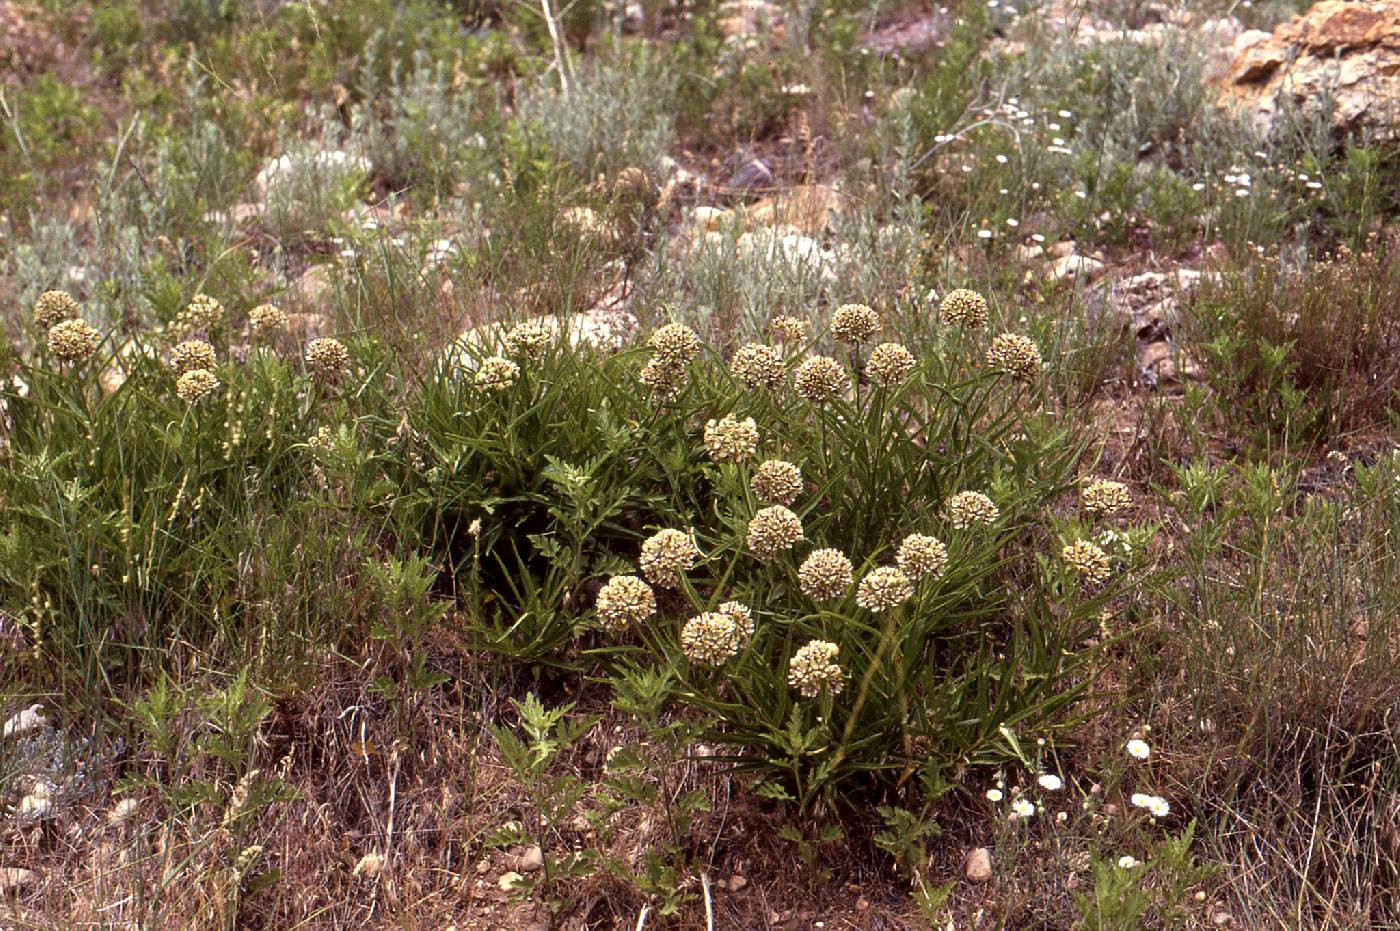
[[1139, 749], [1022, 808], [994, 795], [1127, 862], [1050, 782]]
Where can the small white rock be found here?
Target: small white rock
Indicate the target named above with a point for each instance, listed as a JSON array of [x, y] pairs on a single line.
[[531, 859], [26, 722], [978, 865]]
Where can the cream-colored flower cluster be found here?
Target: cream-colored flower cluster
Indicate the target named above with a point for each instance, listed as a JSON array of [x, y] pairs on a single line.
[[54, 307], [327, 359], [1016, 355], [673, 347], [201, 315], [710, 639], [666, 555], [965, 307], [1087, 561], [731, 440], [820, 379], [625, 600], [758, 365], [773, 531], [266, 321], [826, 575], [786, 329], [921, 555], [966, 508], [496, 374], [1105, 497], [193, 354], [528, 340], [854, 324], [813, 669], [884, 589], [889, 365], [195, 385], [777, 482], [72, 340]]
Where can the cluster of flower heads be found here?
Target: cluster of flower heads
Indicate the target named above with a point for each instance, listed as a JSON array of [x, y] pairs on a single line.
[[496, 374], [854, 324], [921, 555], [712, 638], [813, 669], [193, 354], [72, 340], [966, 508], [1087, 561], [666, 556], [964, 307], [202, 314], [528, 340], [1016, 355], [195, 385], [673, 347], [327, 359], [731, 440], [773, 531], [889, 365], [625, 600], [826, 575], [265, 321], [758, 365], [1105, 497], [884, 589], [820, 379], [776, 481], [787, 329], [54, 307]]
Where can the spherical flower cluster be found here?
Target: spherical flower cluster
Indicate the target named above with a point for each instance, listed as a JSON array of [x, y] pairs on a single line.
[[665, 555], [786, 329], [192, 354], [200, 315], [758, 366], [854, 323], [676, 343], [965, 307], [327, 358], [1105, 497], [623, 601], [777, 482], [54, 307], [665, 379], [813, 669], [883, 589], [72, 340], [496, 374], [710, 638], [1016, 355], [731, 440], [820, 379], [742, 616], [773, 530], [266, 321], [1087, 561], [966, 508], [196, 385], [889, 365], [528, 340], [826, 575], [921, 555]]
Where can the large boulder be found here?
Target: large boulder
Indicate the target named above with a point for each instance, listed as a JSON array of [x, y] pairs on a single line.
[[1343, 51]]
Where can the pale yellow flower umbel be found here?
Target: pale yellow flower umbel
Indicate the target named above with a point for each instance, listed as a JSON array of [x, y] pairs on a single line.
[[1105, 497], [921, 555], [196, 385], [854, 324], [1016, 355], [496, 374], [193, 354], [664, 378], [757, 365], [820, 379], [884, 589], [889, 365], [665, 556], [965, 307], [786, 329], [72, 340], [966, 508], [813, 669], [625, 600], [776, 482], [1087, 561], [710, 639], [676, 343], [773, 531], [327, 359], [731, 440], [826, 575], [202, 314], [528, 340], [265, 321], [54, 307]]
